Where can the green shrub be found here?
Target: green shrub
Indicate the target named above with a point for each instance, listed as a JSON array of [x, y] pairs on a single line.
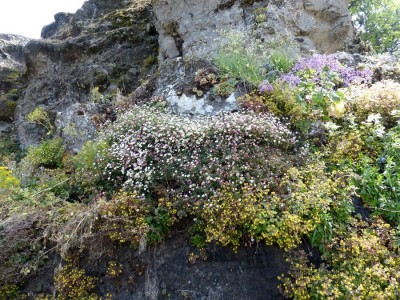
[[10, 292], [380, 181], [363, 263], [73, 283], [123, 219], [307, 203], [281, 61], [89, 165], [48, 154]]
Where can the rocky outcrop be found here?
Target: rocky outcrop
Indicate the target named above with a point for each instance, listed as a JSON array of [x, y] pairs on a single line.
[[165, 272], [11, 66], [188, 31], [107, 46], [114, 46]]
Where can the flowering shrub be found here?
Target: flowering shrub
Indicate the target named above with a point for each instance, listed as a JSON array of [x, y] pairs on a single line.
[[7, 181], [315, 81], [305, 204], [72, 283], [382, 98], [123, 219], [320, 65], [163, 155], [282, 101], [230, 213], [361, 264]]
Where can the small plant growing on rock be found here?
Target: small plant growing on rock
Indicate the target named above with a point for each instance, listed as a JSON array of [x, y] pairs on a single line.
[[241, 57], [41, 117], [73, 283], [205, 77], [114, 269], [225, 88]]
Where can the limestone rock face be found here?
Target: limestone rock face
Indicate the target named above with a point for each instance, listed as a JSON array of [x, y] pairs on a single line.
[[104, 46], [11, 66]]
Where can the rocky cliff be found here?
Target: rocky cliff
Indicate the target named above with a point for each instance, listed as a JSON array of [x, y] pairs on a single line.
[[107, 46], [12, 65], [113, 51], [113, 47]]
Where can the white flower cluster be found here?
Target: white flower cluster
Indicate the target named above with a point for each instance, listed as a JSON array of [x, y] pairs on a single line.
[[193, 157]]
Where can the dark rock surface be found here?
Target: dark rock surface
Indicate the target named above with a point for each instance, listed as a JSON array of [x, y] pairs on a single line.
[[165, 272], [11, 66], [106, 46]]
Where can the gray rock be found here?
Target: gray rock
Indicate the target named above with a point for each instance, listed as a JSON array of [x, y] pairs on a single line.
[[177, 90], [112, 45], [75, 126], [325, 25], [11, 66], [105, 45], [189, 32]]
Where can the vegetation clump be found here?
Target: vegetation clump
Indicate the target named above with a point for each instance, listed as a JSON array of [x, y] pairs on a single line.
[[311, 138]]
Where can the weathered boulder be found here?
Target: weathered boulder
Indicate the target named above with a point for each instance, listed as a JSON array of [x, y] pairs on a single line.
[[11, 66]]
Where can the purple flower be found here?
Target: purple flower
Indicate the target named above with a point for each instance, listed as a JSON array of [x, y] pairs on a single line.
[[351, 75], [318, 63], [321, 63], [291, 79], [265, 87]]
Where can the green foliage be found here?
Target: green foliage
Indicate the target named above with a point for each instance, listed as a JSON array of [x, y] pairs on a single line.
[[307, 203], [241, 57], [10, 292], [281, 61], [225, 88], [48, 154], [322, 101], [378, 22], [160, 221], [380, 182], [88, 165], [363, 263], [228, 216], [41, 117]]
